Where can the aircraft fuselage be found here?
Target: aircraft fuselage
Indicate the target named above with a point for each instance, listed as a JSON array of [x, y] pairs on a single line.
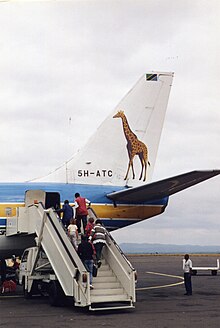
[[113, 215]]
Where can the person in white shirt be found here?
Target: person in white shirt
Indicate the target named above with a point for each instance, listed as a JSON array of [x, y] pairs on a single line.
[[187, 268], [72, 231]]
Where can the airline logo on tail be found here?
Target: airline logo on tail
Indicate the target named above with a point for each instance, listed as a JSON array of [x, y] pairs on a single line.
[[134, 147]]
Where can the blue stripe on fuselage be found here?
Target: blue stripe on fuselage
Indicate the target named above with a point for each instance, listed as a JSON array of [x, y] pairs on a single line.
[[15, 192], [2, 222]]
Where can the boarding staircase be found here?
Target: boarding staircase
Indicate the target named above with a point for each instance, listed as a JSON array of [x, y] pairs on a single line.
[[114, 286], [107, 286]]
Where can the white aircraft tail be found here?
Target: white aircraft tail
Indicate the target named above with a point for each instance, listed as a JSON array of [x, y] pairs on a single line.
[[123, 149]]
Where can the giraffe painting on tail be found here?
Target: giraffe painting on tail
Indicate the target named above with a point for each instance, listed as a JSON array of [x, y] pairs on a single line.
[[134, 147]]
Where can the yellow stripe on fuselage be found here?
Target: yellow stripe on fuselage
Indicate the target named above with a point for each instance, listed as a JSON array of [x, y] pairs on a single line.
[[138, 212], [5, 208], [128, 212]]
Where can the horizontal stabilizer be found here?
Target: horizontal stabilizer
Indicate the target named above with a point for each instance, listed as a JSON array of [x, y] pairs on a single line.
[[162, 188]]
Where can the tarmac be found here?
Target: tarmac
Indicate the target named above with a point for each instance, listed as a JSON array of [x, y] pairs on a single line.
[[160, 302]]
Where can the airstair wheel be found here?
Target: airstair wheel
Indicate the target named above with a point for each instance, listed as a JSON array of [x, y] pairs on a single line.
[[56, 294]]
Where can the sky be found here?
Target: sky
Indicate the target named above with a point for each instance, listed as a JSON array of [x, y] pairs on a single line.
[[60, 59]]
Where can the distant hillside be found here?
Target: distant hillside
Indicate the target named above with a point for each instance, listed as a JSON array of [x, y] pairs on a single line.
[[167, 248]]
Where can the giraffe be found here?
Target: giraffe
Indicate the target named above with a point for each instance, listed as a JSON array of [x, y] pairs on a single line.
[[134, 147]]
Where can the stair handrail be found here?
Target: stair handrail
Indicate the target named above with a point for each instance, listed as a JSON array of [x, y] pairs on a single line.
[[113, 240], [120, 250]]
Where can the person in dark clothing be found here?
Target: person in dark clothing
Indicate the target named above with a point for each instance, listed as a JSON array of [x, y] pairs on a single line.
[[187, 269], [2, 270], [15, 267], [86, 253], [16, 264], [67, 211]]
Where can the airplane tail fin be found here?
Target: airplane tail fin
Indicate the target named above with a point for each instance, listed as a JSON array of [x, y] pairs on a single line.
[[123, 149]]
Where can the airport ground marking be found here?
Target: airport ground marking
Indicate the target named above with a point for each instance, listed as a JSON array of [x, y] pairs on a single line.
[[163, 286]]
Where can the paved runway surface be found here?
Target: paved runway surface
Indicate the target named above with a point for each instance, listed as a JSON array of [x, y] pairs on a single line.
[[160, 301]]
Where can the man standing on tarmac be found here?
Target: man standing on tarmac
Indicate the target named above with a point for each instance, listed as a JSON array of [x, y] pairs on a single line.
[[187, 268], [81, 211]]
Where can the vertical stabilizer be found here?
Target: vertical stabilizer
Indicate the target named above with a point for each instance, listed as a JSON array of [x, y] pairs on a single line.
[[123, 149]]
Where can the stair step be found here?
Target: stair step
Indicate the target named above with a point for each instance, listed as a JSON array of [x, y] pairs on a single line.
[[104, 267], [106, 285], [106, 273], [107, 291], [111, 306], [103, 280], [109, 298]]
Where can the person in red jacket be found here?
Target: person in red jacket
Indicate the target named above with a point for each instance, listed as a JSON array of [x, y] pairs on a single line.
[[89, 226], [81, 211]]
